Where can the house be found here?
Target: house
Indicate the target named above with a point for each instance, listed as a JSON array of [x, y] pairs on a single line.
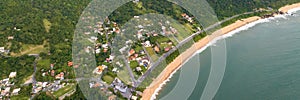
[[144, 62], [167, 49], [156, 49], [111, 57], [10, 37], [5, 81], [52, 72], [70, 63], [105, 50], [6, 90], [139, 35], [87, 33], [105, 46], [138, 69], [12, 74], [94, 38], [134, 97], [60, 76], [131, 52], [99, 69], [16, 91], [115, 70], [44, 84], [51, 66], [2, 49], [98, 50], [147, 44]]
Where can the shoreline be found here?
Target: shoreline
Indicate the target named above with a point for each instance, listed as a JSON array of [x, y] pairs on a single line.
[[152, 90]]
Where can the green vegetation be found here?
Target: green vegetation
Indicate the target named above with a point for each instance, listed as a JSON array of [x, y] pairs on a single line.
[[44, 96], [23, 65], [228, 8], [63, 90], [108, 79]]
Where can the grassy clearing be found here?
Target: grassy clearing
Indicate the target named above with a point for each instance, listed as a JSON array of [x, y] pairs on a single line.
[[183, 30], [63, 90], [152, 53], [31, 49], [124, 76], [47, 25], [108, 79]]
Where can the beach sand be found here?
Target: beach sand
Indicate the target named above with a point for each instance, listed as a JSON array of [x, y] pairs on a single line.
[[286, 8], [157, 83]]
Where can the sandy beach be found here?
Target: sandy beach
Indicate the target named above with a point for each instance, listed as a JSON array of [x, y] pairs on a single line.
[[150, 91], [286, 8]]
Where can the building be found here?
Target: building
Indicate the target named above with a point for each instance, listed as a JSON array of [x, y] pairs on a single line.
[[10, 37], [115, 70], [2, 50], [138, 69], [60, 76], [70, 63], [156, 49], [51, 66], [147, 44], [131, 52], [16, 91], [98, 50], [12, 74], [134, 97], [99, 69]]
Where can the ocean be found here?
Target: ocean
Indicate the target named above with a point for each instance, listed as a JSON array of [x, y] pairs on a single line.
[[263, 63]]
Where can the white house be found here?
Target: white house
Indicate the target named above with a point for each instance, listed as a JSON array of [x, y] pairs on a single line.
[[115, 70], [12, 74], [104, 45], [16, 91], [2, 49], [147, 44], [138, 69], [98, 50]]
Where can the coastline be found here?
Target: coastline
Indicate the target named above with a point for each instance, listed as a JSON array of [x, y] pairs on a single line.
[[151, 91]]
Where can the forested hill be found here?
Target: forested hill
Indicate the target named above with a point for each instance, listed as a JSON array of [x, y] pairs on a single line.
[[227, 8]]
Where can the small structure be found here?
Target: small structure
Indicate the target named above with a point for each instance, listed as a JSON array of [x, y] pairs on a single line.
[[10, 37], [134, 97], [147, 44], [70, 63], [138, 69], [98, 50], [52, 72], [99, 69], [16, 91], [51, 66], [12, 74], [131, 52], [156, 49], [115, 70], [60, 76], [2, 49], [105, 46]]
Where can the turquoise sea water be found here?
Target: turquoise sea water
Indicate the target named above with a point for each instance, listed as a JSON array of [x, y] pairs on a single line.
[[263, 63]]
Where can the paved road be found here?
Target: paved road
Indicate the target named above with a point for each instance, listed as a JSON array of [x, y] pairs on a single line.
[[129, 70], [33, 76]]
